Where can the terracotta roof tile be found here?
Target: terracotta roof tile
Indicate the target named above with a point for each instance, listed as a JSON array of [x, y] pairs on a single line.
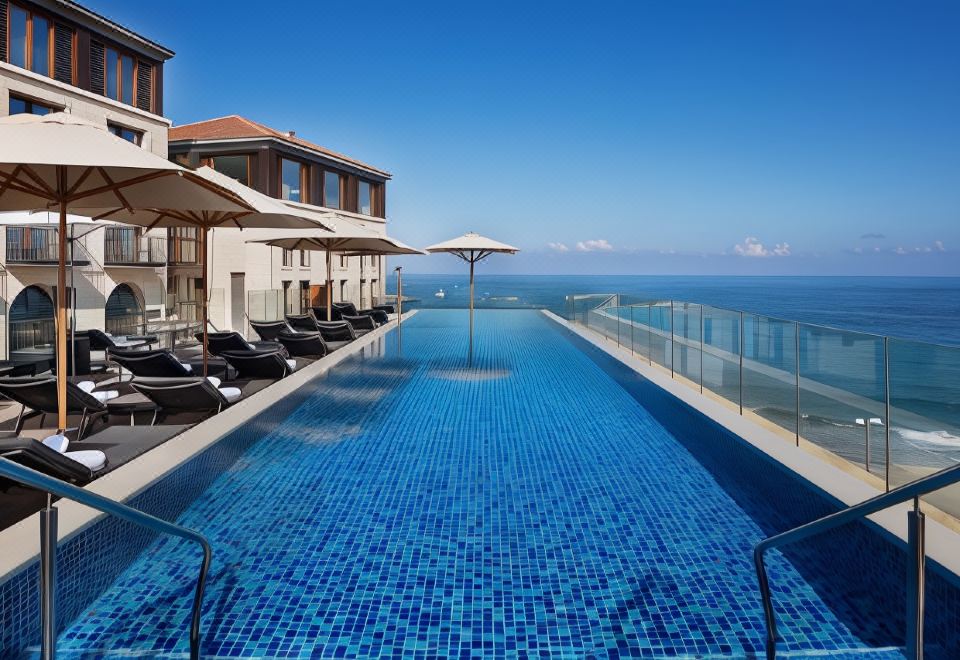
[[235, 126]]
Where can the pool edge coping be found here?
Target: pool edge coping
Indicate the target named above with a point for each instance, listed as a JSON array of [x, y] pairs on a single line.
[[21, 541], [942, 543]]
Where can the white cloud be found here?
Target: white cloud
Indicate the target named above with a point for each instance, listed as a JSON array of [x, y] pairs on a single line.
[[594, 245], [752, 247], [937, 246], [558, 247]]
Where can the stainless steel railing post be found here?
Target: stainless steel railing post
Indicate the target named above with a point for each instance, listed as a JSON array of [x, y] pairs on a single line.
[[886, 409], [796, 332], [741, 363], [915, 580], [48, 581], [671, 339], [701, 349], [650, 334], [632, 352]]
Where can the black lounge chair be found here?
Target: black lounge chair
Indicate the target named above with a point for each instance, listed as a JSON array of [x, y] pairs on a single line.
[[362, 324], [386, 309], [157, 364], [304, 344], [268, 364], [218, 342], [195, 395], [320, 313], [346, 309], [270, 330], [301, 322], [336, 333], [101, 341], [37, 456], [39, 394]]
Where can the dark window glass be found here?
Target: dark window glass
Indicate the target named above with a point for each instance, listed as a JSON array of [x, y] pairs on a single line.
[[235, 167], [364, 198], [331, 190], [126, 79], [304, 257], [127, 134], [18, 36], [113, 62], [19, 106], [291, 178], [287, 257], [40, 62]]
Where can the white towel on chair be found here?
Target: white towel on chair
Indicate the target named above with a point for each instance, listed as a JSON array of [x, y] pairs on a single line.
[[105, 396], [214, 381], [92, 458], [292, 364], [231, 394], [86, 385], [58, 443], [187, 367]]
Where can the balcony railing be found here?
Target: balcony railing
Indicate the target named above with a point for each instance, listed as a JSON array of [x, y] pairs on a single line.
[[885, 404], [182, 251], [126, 247], [37, 245]]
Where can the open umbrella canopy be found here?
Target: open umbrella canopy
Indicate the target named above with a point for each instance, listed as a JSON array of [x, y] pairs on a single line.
[[98, 170], [472, 247], [471, 242]]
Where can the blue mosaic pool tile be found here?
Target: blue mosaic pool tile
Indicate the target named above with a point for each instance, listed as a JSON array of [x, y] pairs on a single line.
[[409, 505]]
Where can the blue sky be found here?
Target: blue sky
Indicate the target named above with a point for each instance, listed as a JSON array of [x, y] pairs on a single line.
[[814, 137]]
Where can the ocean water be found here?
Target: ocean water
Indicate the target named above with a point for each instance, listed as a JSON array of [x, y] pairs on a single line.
[[843, 373], [919, 308]]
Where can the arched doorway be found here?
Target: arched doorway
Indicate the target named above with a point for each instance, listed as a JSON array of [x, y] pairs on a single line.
[[31, 319], [124, 312]]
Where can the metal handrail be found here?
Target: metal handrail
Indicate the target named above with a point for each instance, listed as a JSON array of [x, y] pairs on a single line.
[[911, 491], [29, 477]]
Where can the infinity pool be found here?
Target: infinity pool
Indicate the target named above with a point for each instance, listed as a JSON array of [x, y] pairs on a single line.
[[414, 506]]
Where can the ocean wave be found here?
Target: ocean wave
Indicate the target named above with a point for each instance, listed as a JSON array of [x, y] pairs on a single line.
[[941, 438]]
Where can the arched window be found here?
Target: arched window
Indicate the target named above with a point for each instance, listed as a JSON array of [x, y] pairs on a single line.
[[31, 319], [124, 313]]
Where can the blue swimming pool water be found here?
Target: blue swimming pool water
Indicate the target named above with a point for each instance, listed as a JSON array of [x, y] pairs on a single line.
[[414, 506]]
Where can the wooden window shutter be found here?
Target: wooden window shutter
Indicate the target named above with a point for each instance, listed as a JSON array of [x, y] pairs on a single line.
[[63, 54], [96, 68], [145, 86], [3, 30]]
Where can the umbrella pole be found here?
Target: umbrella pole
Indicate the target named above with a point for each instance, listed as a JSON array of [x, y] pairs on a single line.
[[329, 285], [61, 325], [470, 354], [203, 304], [73, 309]]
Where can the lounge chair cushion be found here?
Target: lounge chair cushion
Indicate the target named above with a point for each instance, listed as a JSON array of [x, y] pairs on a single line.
[[231, 394], [214, 380], [94, 459], [292, 364], [86, 385]]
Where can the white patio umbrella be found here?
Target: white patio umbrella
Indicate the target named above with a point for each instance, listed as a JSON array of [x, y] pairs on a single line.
[[472, 247], [349, 238], [58, 162], [262, 213]]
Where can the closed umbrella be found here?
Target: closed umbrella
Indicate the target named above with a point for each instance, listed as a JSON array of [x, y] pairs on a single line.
[[261, 212], [62, 163], [348, 237], [472, 247]]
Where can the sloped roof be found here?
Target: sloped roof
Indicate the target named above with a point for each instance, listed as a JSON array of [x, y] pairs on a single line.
[[236, 127]]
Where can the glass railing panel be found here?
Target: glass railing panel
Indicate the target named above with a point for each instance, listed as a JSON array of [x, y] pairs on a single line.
[[687, 319], [641, 335], [660, 349], [841, 382], [770, 369], [924, 415], [721, 353]]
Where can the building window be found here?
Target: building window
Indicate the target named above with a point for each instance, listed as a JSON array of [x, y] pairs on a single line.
[[343, 290], [235, 167], [363, 199], [119, 75], [332, 184], [31, 40], [125, 133], [293, 180], [20, 106], [287, 258], [344, 261], [304, 257], [287, 300]]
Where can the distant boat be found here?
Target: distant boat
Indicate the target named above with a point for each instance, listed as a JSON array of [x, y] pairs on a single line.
[[440, 294]]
